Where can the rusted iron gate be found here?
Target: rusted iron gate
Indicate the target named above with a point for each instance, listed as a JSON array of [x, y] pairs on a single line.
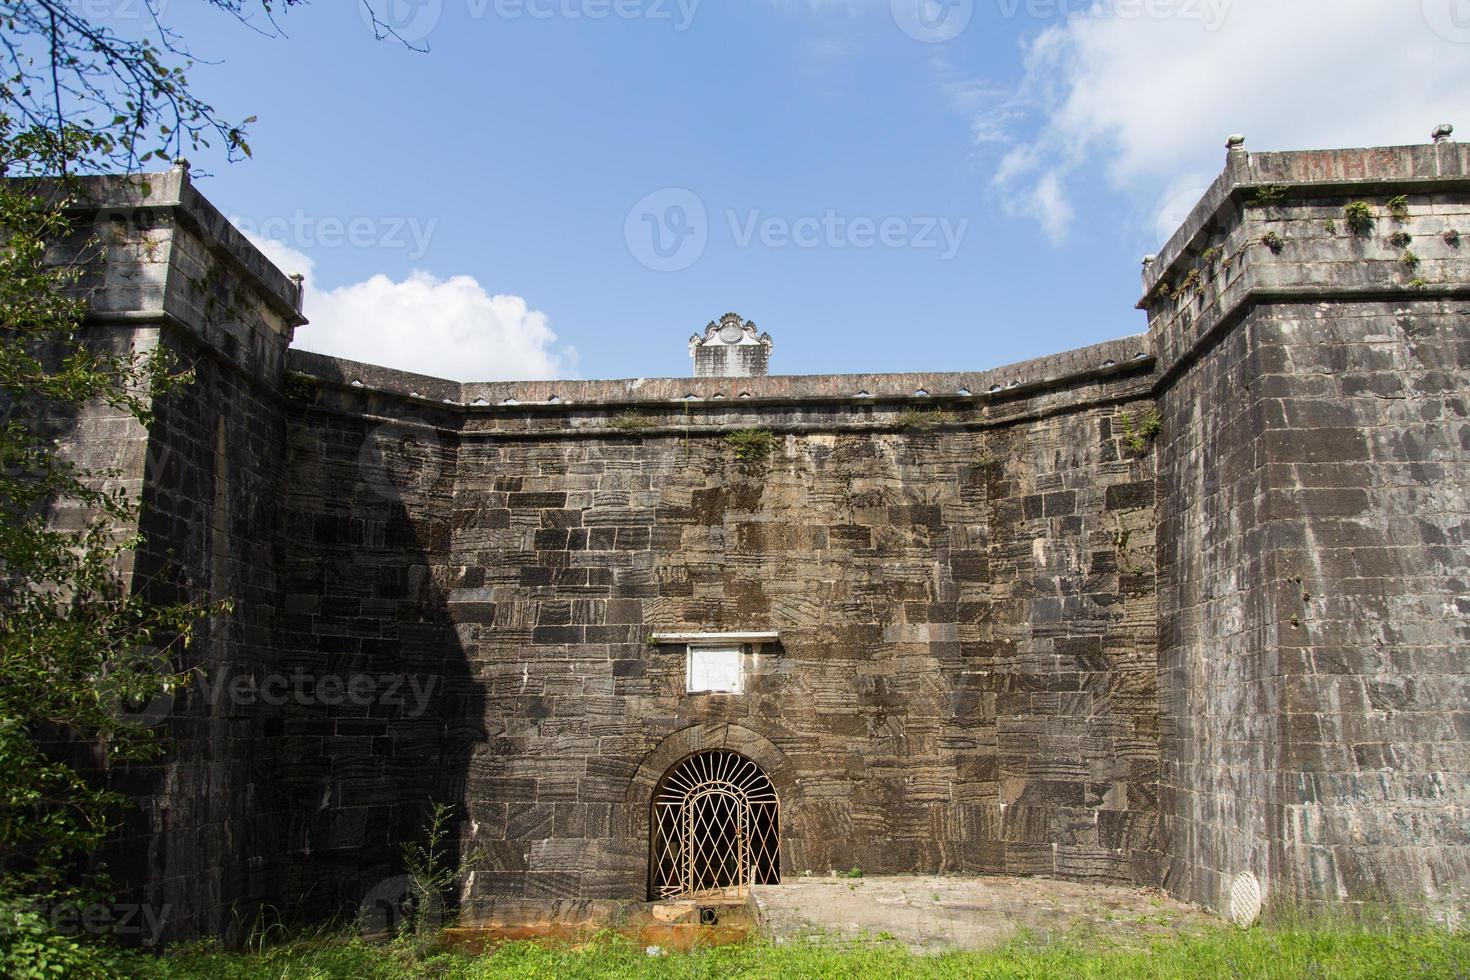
[[715, 829]]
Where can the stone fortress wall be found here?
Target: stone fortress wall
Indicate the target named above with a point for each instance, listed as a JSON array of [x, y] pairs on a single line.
[[1021, 629]]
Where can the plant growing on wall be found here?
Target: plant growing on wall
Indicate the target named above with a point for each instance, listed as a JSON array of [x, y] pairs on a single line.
[[1121, 538], [298, 386], [1360, 218], [1398, 208], [631, 421], [750, 445], [1400, 239], [1192, 282], [1268, 195], [1138, 435], [431, 873], [1274, 242]]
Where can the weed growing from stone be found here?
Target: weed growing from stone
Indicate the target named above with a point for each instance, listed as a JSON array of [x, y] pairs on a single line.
[[631, 421], [1360, 217], [1268, 195], [1148, 427], [750, 445], [1191, 282]]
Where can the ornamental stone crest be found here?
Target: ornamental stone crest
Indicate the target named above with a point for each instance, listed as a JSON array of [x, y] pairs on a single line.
[[730, 348]]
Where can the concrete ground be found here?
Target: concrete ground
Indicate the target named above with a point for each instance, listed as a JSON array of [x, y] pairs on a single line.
[[931, 914]]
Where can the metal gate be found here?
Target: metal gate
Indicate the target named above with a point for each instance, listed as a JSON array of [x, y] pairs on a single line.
[[715, 829]]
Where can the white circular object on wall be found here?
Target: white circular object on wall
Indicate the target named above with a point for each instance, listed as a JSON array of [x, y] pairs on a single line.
[[1245, 900], [731, 334]]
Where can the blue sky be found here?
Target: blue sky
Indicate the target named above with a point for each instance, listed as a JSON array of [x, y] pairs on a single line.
[[880, 192]]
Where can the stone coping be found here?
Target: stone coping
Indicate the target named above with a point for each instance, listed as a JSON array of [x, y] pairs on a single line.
[[1128, 355]]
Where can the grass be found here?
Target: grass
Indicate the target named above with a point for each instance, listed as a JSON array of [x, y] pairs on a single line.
[[631, 421], [749, 445], [1301, 951]]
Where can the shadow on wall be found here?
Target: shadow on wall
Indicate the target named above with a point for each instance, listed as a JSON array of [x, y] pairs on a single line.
[[391, 711], [334, 705]]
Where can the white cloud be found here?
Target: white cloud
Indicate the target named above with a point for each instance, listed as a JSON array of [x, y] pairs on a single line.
[[1147, 90], [447, 328], [1052, 208]]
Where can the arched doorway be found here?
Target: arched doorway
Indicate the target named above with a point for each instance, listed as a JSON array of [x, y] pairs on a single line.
[[715, 829]]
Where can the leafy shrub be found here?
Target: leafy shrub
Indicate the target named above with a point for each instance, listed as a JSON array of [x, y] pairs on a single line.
[[1360, 217], [30, 949]]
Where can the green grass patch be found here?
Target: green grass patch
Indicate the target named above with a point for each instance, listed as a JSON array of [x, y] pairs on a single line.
[[1341, 951]]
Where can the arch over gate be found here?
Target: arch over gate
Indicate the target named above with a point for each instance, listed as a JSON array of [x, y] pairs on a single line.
[[714, 828]]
